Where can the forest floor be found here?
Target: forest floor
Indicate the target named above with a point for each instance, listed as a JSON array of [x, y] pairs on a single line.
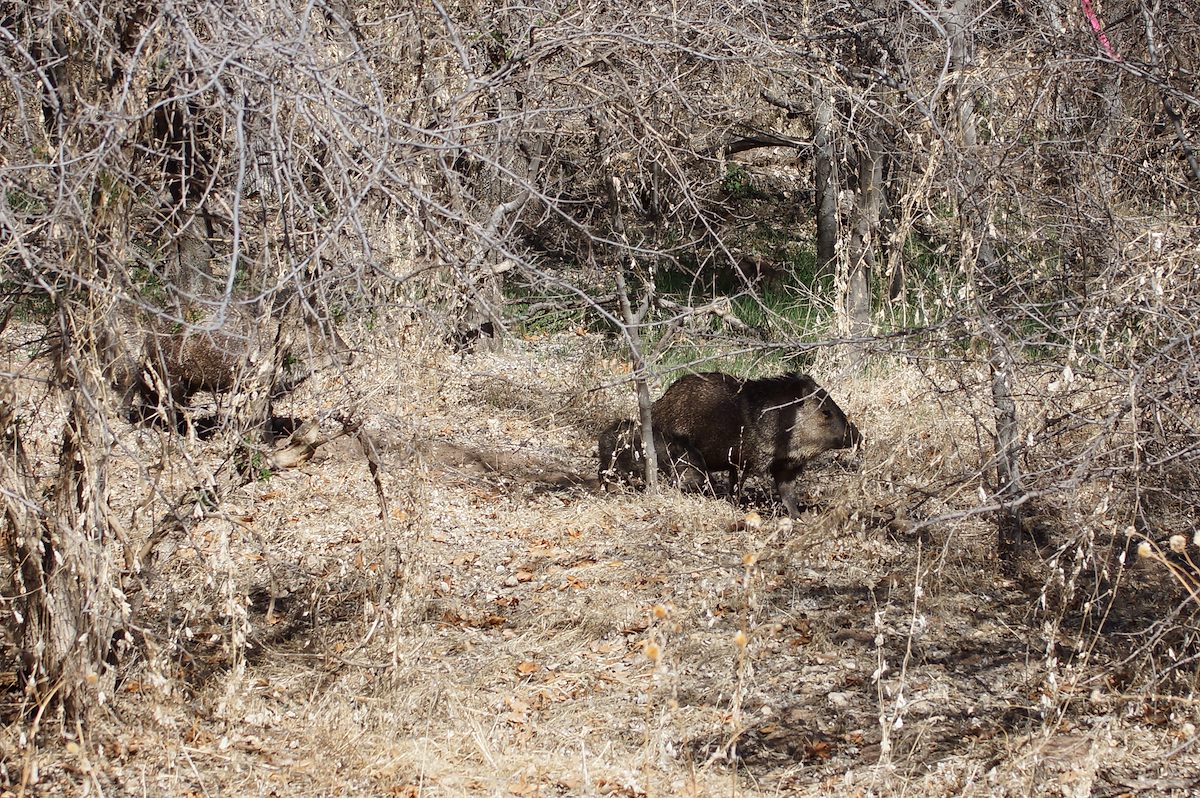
[[499, 626]]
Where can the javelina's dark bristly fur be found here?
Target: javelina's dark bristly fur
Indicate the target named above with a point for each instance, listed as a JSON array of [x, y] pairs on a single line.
[[172, 367], [188, 364], [702, 409], [621, 458], [770, 426]]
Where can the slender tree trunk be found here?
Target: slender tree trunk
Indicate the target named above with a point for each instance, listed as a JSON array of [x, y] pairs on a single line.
[[891, 248], [863, 240], [65, 577], [825, 180], [66, 599], [631, 321], [976, 212]]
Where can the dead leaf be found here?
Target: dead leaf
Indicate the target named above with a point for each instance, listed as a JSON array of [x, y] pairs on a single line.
[[527, 667], [751, 521], [608, 787], [518, 714], [404, 790], [819, 750], [523, 786]]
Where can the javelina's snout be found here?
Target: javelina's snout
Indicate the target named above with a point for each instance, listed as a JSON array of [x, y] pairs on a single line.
[[622, 459], [832, 430], [853, 437], [770, 426]]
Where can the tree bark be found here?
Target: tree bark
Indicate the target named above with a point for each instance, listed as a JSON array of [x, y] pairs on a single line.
[[825, 180], [863, 240], [64, 578], [975, 209], [631, 321]]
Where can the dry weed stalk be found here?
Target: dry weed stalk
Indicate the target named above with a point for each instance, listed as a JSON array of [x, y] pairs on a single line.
[[893, 702], [662, 689], [743, 661]]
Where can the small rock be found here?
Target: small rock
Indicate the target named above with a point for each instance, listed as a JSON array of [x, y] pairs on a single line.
[[840, 700]]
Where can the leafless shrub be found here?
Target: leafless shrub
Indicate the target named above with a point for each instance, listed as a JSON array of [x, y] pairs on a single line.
[[1021, 226]]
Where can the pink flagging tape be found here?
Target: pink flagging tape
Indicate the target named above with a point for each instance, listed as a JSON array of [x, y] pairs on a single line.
[[1094, 20]]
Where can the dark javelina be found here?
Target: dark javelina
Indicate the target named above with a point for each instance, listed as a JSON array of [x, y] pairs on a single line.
[[184, 364], [173, 367], [621, 458], [766, 426]]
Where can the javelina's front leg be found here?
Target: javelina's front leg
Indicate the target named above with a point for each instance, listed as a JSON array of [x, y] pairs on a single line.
[[785, 474]]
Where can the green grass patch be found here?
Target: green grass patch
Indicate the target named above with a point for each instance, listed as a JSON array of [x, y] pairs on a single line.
[[23, 202], [738, 184]]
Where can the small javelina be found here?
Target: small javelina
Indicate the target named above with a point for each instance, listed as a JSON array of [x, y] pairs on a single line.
[[186, 364], [765, 426], [621, 458], [173, 367]]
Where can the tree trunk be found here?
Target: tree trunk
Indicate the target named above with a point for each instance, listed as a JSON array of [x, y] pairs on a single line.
[[863, 240], [631, 322], [890, 240], [64, 580], [825, 181], [975, 210], [66, 603]]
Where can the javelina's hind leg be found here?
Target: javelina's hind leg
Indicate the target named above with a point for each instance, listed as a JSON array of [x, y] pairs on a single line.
[[734, 483]]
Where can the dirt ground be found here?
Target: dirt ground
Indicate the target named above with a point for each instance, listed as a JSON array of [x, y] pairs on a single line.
[[499, 626]]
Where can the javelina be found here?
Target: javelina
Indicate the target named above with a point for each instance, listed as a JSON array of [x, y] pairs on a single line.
[[621, 457], [184, 364], [172, 367], [765, 426]]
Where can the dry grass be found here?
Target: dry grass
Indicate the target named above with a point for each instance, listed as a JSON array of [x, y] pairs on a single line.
[[507, 630]]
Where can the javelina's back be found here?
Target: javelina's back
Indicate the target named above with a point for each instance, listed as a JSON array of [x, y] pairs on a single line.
[[187, 363], [621, 458], [704, 410], [243, 355]]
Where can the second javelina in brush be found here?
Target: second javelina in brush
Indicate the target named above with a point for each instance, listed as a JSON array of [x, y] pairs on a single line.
[[621, 458]]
